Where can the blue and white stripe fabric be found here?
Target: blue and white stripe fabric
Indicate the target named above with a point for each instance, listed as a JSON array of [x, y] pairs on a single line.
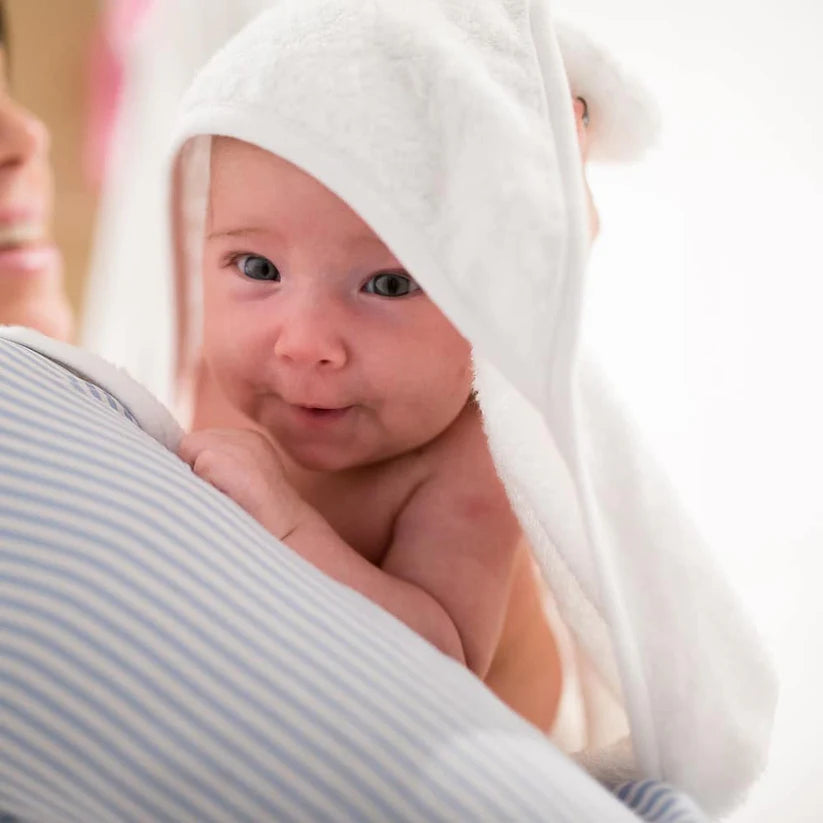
[[659, 803], [163, 658]]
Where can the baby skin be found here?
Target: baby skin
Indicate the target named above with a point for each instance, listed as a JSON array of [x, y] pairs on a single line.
[[357, 440]]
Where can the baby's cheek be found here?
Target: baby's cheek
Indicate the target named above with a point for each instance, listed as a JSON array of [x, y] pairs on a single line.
[[228, 364], [464, 378]]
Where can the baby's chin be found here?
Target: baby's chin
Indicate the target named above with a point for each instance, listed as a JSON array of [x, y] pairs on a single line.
[[345, 455]]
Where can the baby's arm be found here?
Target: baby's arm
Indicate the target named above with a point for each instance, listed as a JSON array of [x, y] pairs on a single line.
[[316, 541], [448, 571], [245, 467], [457, 539]]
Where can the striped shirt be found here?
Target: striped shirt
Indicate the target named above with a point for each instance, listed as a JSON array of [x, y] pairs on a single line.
[[163, 658]]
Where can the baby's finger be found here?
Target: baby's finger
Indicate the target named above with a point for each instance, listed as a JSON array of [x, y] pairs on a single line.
[[193, 444]]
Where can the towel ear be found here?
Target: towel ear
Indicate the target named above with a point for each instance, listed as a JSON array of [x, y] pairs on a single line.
[[624, 119]]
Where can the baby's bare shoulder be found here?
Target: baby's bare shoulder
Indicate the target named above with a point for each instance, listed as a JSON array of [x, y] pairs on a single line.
[[456, 537], [461, 453], [461, 478]]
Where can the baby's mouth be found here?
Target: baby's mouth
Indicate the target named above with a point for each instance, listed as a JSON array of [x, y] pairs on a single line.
[[319, 411], [321, 414]]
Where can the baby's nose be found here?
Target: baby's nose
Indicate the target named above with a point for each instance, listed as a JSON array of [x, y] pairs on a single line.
[[310, 338]]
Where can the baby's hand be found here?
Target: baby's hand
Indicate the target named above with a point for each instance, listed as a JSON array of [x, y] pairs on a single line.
[[243, 465]]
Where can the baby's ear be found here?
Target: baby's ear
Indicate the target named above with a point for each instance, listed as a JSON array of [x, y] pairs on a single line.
[[581, 121]]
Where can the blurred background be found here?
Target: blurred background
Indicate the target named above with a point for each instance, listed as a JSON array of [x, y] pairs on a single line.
[[50, 47], [706, 302], [706, 289]]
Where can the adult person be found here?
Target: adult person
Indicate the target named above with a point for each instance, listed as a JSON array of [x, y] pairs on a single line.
[[31, 266]]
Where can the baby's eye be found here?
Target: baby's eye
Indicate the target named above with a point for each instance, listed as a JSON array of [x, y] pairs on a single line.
[[391, 284], [257, 268]]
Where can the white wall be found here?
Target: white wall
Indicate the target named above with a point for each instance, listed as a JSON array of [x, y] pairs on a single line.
[[707, 298]]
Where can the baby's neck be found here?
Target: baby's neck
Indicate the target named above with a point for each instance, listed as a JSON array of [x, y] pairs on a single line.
[[310, 483]]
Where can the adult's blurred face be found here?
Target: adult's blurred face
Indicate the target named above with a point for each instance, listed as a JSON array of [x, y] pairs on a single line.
[[31, 268]]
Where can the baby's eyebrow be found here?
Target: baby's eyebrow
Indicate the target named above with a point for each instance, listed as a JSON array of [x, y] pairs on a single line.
[[239, 232]]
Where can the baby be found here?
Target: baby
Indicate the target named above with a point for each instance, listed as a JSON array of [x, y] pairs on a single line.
[[364, 449]]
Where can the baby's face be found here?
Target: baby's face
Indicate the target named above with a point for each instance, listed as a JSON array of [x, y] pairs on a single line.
[[312, 328]]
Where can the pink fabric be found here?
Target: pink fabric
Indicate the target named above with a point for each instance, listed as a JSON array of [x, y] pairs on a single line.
[[118, 22]]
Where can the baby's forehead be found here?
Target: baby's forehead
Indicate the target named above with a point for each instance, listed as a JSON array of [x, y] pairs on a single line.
[[251, 187], [237, 163]]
